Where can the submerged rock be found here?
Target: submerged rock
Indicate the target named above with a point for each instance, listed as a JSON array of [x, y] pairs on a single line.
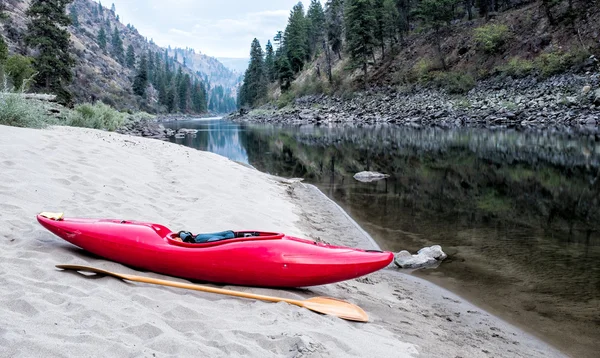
[[426, 257], [366, 177]]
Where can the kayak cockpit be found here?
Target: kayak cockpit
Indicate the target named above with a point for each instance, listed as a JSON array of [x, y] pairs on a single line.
[[237, 236]]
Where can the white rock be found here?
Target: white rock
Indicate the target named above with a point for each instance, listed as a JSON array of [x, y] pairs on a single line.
[[426, 257], [367, 177]]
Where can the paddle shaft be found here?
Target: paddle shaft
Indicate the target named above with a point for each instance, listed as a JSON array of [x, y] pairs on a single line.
[[189, 286]]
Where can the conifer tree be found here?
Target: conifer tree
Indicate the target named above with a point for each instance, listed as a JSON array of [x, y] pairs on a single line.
[[46, 32], [254, 87], [74, 16], [316, 26], [102, 38], [436, 14], [360, 22], [285, 72], [130, 59], [296, 38], [113, 9], [117, 47], [141, 78], [100, 9], [270, 62], [334, 15]]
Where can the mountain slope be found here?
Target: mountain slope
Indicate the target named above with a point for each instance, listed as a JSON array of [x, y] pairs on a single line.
[[97, 74]]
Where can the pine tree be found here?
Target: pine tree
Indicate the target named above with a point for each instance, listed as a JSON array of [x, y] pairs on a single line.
[[113, 9], [141, 78], [254, 87], [102, 38], [117, 47], [74, 16], [285, 73], [296, 38], [100, 9], [334, 15], [316, 25], [46, 32], [360, 22], [270, 62], [130, 59], [436, 14]]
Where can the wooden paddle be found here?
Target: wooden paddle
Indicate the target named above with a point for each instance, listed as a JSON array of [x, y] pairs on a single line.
[[325, 305]]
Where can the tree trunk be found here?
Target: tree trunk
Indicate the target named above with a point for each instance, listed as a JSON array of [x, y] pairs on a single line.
[[439, 48], [328, 58], [469, 6]]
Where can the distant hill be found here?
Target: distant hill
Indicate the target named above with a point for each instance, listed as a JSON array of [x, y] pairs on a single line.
[[98, 75]]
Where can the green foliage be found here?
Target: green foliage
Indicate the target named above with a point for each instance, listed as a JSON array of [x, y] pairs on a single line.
[[17, 111], [141, 78], [3, 50], [254, 88], [334, 14], [454, 82], [553, 63], [360, 21], [316, 25], [47, 33], [117, 46], [98, 116], [491, 38], [517, 67], [74, 16], [102, 38], [296, 38], [19, 69], [130, 58], [270, 62]]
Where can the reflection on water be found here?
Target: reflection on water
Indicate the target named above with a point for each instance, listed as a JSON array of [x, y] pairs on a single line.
[[517, 212]]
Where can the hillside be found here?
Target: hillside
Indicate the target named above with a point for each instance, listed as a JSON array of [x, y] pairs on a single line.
[[99, 74], [434, 57]]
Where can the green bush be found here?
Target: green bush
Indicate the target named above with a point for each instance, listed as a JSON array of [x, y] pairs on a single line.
[[557, 62], [455, 82], [517, 67], [20, 70], [492, 37], [98, 116], [17, 111]]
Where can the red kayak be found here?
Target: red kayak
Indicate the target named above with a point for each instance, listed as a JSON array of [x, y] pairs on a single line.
[[250, 258]]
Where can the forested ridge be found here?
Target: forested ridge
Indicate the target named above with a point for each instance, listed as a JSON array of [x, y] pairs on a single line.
[[102, 59], [350, 45]]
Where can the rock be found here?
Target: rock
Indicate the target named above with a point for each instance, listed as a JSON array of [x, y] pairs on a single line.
[[426, 257], [367, 177], [586, 89]]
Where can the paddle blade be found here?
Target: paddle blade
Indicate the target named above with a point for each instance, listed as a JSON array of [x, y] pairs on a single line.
[[334, 307]]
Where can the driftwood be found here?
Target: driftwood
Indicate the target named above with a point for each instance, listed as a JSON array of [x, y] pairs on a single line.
[[40, 97]]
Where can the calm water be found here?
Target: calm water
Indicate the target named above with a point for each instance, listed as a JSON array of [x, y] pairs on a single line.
[[518, 213]]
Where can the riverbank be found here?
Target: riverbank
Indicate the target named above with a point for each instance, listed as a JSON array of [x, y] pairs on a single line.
[[101, 174], [569, 102]]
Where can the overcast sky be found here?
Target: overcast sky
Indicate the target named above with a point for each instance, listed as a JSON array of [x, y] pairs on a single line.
[[219, 28]]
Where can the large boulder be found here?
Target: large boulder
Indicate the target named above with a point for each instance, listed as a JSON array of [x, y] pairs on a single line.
[[426, 257]]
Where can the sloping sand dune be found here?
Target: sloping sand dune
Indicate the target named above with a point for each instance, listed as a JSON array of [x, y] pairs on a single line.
[[86, 173]]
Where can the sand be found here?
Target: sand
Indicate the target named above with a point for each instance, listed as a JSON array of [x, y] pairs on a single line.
[[88, 173]]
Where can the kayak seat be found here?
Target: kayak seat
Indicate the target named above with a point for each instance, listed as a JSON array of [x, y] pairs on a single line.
[[188, 237]]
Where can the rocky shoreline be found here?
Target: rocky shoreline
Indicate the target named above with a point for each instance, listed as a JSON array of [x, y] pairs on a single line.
[[567, 101]]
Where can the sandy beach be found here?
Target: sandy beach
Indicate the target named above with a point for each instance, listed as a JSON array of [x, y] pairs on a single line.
[[88, 173]]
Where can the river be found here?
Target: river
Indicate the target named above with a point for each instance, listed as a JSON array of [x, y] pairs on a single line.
[[517, 212]]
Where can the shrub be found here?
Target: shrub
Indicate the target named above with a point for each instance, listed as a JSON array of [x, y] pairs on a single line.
[[491, 37], [98, 116], [17, 111], [455, 82], [20, 70], [421, 70], [556, 62], [517, 67]]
